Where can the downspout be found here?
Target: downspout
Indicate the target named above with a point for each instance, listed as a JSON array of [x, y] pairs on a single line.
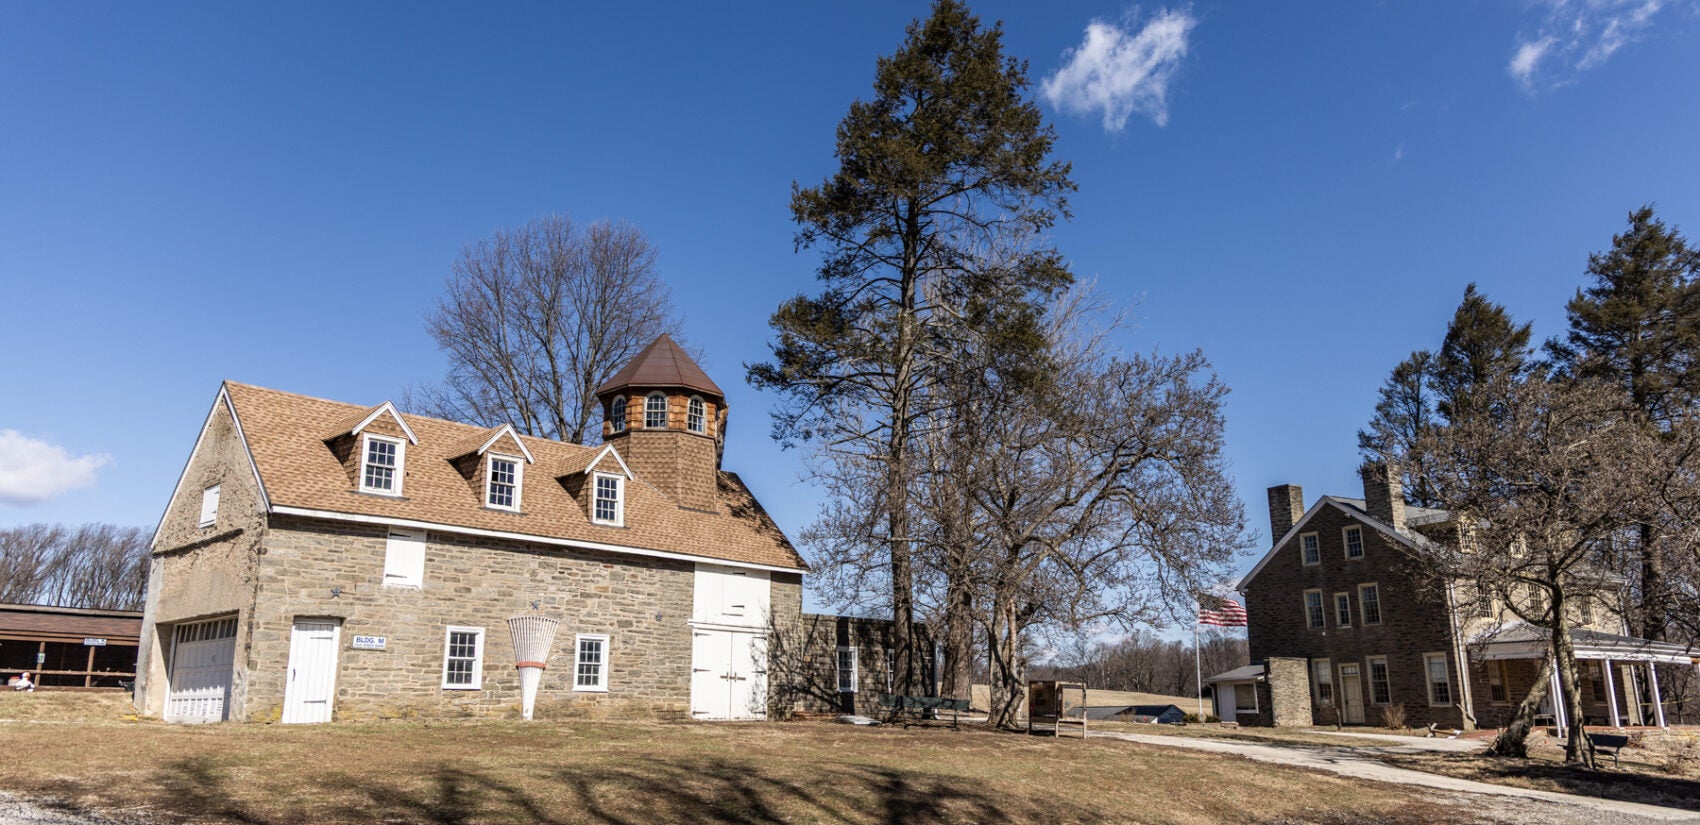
[[1461, 655]]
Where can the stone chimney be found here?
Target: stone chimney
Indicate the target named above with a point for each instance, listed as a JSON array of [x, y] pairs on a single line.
[[1286, 507], [1384, 494]]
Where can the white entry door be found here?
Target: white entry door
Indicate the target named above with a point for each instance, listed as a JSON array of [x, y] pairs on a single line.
[[1351, 696], [728, 675], [203, 656], [312, 670]]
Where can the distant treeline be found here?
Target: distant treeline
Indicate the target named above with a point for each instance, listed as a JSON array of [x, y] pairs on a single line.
[[91, 565], [1143, 663]]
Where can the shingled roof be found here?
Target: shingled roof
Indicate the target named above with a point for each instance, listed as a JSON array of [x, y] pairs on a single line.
[[298, 471], [662, 364]]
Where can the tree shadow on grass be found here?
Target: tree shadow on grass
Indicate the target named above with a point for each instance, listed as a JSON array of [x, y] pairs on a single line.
[[1623, 786], [689, 791]]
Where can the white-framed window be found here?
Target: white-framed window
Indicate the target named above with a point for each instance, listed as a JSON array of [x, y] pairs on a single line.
[[502, 482], [1245, 697], [1310, 549], [1323, 676], [1496, 681], [617, 414], [404, 559], [890, 670], [1380, 689], [655, 411], [609, 500], [1439, 681], [696, 416], [1343, 609], [463, 658], [209, 506], [1314, 617], [1369, 602], [380, 465], [1584, 610], [1594, 675], [1354, 538], [847, 670], [591, 670]]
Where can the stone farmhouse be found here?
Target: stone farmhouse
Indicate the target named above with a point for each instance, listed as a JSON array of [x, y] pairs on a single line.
[[1344, 625], [323, 560]]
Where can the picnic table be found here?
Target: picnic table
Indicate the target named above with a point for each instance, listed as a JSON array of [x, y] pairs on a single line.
[[915, 708]]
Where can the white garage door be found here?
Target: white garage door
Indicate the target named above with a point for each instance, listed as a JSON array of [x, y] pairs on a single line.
[[202, 655]]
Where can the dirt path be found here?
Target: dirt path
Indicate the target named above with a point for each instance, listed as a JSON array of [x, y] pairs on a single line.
[[1513, 805]]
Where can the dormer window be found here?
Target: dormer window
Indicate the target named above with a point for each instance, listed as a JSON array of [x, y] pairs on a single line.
[[380, 465], [501, 484], [609, 506], [695, 416], [655, 411], [617, 415]]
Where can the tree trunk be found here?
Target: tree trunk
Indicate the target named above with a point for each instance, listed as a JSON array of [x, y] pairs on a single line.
[[958, 676], [1652, 587], [1008, 676], [1514, 740], [1577, 748]]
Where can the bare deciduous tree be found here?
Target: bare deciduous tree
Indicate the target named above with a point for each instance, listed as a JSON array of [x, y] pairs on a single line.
[[534, 319], [94, 565]]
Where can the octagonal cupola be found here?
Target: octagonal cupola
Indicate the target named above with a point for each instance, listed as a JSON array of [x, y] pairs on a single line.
[[667, 419]]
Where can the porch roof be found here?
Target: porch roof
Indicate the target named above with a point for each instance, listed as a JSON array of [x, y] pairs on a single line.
[[1523, 641], [1247, 673]]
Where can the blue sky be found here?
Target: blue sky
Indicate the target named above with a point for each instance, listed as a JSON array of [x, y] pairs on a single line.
[[190, 193]]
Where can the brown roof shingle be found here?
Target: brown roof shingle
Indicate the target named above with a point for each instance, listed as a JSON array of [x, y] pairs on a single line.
[[285, 434]]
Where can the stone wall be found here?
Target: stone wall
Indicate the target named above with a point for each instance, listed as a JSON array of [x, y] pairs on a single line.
[[803, 665], [323, 569], [1414, 617], [1287, 699], [202, 572]]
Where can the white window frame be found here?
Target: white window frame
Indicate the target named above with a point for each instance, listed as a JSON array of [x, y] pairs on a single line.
[[400, 571], [619, 519], [1343, 614], [647, 411], [617, 414], [1316, 619], [400, 464], [209, 506], [696, 410], [601, 685], [1310, 549], [1363, 603], [1428, 679], [854, 672], [477, 658], [890, 670], [1322, 675], [1386, 674], [490, 480], [1346, 541]]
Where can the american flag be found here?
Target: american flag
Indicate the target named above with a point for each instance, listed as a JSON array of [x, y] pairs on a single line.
[[1226, 613]]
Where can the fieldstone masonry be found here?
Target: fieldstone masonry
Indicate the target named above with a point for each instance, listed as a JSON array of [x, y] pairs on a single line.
[[1285, 700]]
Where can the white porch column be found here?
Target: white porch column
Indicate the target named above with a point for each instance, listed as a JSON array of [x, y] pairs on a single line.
[[1611, 692], [1658, 704], [1632, 689], [1557, 693]]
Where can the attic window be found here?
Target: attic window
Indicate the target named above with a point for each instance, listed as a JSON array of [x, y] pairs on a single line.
[[617, 414], [209, 506], [695, 417], [1354, 542], [501, 485], [655, 411], [609, 506], [380, 465]]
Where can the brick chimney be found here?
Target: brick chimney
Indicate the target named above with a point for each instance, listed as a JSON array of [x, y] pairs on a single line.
[[1286, 507], [1384, 494]]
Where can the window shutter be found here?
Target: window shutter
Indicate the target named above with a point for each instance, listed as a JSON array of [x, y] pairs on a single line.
[[404, 559], [209, 506]]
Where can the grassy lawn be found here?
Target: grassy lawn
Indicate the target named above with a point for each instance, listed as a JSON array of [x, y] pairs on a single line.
[[591, 772], [1545, 770]]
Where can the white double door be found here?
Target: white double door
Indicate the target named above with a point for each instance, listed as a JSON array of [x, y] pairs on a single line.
[[311, 685], [728, 674]]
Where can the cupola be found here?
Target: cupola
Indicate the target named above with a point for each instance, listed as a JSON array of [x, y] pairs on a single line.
[[667, 418]]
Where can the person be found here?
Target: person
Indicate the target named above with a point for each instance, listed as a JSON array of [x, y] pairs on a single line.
[[22, 682]]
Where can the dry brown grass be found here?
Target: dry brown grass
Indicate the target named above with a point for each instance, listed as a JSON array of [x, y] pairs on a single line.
[[590, 772], [1546, 771]]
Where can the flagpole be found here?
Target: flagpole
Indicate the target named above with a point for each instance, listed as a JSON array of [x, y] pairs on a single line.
[[1198, 665]]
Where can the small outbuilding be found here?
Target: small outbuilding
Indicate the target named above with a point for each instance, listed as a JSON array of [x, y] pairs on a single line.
[[1153, 714], [1237, 693], [69, 647]]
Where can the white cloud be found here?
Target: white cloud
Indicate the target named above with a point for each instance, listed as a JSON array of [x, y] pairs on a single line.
[[33, 471], [1398, 153], [1121, 71], [1575, 36]]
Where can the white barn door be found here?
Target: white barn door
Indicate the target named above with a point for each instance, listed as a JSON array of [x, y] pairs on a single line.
[[203, 656], [728, 675], [312, 671]]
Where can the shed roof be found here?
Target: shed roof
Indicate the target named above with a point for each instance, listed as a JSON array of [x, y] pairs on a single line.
[[1248, 673], [37, 620], [662, 364]]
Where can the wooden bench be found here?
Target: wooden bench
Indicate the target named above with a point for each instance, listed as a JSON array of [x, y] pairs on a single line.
[[1609, 743], [903, 707]]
